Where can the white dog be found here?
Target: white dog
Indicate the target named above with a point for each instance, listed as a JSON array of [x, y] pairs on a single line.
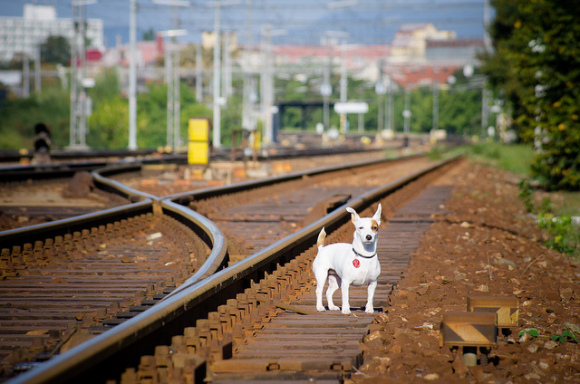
[[345, 264]]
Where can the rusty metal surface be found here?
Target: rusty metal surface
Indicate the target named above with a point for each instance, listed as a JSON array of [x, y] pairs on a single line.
[[326, 344], [234, 320]]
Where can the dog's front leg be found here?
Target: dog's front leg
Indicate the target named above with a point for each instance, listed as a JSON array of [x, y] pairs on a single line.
[[369, 308], [334, 283], [345, 304]]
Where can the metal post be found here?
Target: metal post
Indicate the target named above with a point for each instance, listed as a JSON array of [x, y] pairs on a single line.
[[74, 80], [37, 69], [407, 111], [326, 92], [486, 17], [83, 99], [132, 76], [172, 73], [484, 108], [169, 81], [198, 74], [343, 88], [26, 76], [227, 68], [78, 92], [266, 82], [216, 80], [176, 102], [435, 105]]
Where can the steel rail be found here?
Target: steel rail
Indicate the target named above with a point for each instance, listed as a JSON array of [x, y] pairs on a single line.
[[91, 361], [19, 236], [186, 197], [113, 186], [144, 204]]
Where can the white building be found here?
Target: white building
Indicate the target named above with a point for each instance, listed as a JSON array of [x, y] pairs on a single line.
[[410, 42], [24, 34]]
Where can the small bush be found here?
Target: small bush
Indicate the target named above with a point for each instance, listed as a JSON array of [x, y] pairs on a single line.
[[565, 234]]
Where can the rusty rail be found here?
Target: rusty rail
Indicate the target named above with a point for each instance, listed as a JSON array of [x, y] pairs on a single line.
[[200, 295]]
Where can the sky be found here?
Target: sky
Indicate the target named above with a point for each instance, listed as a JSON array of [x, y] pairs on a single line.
[[300, 22]]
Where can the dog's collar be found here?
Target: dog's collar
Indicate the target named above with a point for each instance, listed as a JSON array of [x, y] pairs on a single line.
[[366, 257]]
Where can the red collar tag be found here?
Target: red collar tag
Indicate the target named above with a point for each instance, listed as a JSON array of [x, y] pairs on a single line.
[[356, 263]]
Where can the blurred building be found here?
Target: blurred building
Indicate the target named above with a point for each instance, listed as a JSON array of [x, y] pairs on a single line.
[[410, 42], [25, 34], [421, 54]]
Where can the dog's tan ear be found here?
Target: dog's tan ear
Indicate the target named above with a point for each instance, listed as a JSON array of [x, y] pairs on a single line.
[[354, 217]]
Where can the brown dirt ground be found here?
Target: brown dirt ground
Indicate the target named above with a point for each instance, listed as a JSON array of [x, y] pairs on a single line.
[[486, 245]]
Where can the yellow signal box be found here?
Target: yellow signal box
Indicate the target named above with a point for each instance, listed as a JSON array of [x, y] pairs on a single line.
[[198, 146]]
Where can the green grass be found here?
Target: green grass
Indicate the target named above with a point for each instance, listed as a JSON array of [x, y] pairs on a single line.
[[570, 204], [515, 158]]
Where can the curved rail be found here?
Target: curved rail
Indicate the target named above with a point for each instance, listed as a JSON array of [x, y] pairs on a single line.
[[19, 236], [193, 300], [186, 197], [110, 185]]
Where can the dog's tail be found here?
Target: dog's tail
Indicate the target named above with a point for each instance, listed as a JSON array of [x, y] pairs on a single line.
[[321, 237]]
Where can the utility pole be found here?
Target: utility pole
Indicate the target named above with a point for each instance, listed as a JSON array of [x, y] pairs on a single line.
[[37, 69], [390, 109], [26, 76], [172, 80], [199, 74], [217, 143], [227, 69], [486, 37], [266, 82], [78, 91], [169, 81], [484, 108], [176, 97], [407, 111], [249, 96], [435, 105], [172, 73], [380, 90], [343, 87], [133, 76], [326, 91], [217, 100]]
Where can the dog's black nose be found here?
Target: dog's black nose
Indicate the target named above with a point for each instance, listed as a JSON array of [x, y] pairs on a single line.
[[369, 237]]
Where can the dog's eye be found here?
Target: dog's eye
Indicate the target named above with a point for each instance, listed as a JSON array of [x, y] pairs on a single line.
[[374, 228], [360, 227]]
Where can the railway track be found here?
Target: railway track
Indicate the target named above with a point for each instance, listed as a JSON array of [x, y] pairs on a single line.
[[197, 306]]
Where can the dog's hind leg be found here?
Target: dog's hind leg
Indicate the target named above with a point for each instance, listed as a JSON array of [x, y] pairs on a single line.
[[334, 282]]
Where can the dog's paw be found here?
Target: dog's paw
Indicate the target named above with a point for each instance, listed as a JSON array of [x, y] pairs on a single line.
[[346, 311], [333, 308], [370, 310], [320, 308]]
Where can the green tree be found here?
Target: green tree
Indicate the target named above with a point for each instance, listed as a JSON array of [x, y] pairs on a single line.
[[149, 35], [108, 125], [18, 117], [537, 64], [55, 49]]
